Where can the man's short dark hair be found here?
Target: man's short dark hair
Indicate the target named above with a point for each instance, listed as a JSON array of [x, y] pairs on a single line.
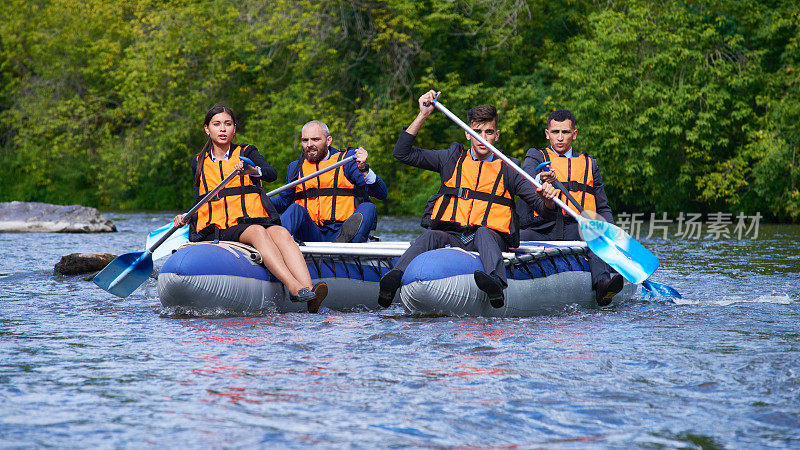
[[483, 114], [560, 116]]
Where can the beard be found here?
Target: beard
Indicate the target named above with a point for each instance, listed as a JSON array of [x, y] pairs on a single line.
[[315, 156]]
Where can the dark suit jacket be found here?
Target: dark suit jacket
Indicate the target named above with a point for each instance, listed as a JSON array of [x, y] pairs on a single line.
[[444, 162]]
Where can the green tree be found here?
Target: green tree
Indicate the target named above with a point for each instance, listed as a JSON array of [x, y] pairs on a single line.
[[688, 106]]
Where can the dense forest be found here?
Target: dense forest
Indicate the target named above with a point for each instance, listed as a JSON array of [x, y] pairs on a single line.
[[687, 105]]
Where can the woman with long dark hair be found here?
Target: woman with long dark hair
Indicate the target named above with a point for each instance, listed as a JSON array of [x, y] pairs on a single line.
[[241, 211]]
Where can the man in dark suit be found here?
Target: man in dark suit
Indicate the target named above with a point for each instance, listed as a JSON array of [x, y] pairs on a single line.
[[474, 208], [580, 178]]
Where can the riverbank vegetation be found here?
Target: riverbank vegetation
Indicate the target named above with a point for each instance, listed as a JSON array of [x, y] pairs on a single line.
[[688, 106]]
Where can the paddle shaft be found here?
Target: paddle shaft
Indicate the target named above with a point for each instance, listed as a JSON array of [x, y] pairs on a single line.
[[206, 198], [500, 155], [310, 176], [563, 189]]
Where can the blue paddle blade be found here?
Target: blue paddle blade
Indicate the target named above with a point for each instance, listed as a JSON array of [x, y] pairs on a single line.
[[619, 250], [125, 273], [180, 237], [660, 290]]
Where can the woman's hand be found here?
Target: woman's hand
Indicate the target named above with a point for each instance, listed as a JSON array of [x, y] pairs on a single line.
[[178, 220], [249, 170]]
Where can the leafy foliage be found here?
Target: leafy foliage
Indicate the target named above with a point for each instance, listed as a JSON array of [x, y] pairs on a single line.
[[688, 106]]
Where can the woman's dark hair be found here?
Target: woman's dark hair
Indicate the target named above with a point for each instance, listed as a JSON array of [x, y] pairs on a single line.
[[206, 151]]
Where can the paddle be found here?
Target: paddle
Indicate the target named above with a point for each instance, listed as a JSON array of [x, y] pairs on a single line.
[[128, 271], [181, 238], [524, 246], [171, 244], [657, 289], [608, 242]]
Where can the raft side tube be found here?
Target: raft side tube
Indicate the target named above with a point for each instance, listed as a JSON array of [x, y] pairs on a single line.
[[441, 282]]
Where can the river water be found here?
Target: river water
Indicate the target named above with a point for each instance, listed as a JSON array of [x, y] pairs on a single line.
[[718, 369]]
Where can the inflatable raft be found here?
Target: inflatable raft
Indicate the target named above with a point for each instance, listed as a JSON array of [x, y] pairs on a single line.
[[543, 278], [228, 276]]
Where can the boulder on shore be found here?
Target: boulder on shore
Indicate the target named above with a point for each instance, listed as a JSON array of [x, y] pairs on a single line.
[[33, 217], [80, 263]]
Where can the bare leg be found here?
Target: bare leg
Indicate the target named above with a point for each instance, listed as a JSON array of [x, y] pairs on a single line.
[[258, 237], [292, 256]]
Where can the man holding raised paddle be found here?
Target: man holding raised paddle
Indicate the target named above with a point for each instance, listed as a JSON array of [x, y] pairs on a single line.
[[334, 206], [474, 208], [578, 178], [609, 242]]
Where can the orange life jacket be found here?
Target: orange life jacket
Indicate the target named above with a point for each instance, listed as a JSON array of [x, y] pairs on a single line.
[[576, 175], [239, 199], [329, 197], [475, 195]]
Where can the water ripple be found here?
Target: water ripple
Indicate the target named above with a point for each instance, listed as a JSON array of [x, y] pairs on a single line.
[[719, 369]]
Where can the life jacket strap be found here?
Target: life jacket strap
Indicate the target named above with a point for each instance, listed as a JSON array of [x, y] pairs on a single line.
[[467, 194], [312, 193], [238, 190]]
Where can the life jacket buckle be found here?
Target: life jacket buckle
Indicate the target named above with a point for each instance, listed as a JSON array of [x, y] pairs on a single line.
[[312, 193], [463, 193]]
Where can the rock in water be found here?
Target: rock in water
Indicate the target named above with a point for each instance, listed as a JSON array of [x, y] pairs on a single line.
[[80, 263], [31, 217]]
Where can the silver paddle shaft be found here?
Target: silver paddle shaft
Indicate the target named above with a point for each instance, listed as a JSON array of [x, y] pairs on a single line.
[[500, 155], [194, 209], [310, 176]]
